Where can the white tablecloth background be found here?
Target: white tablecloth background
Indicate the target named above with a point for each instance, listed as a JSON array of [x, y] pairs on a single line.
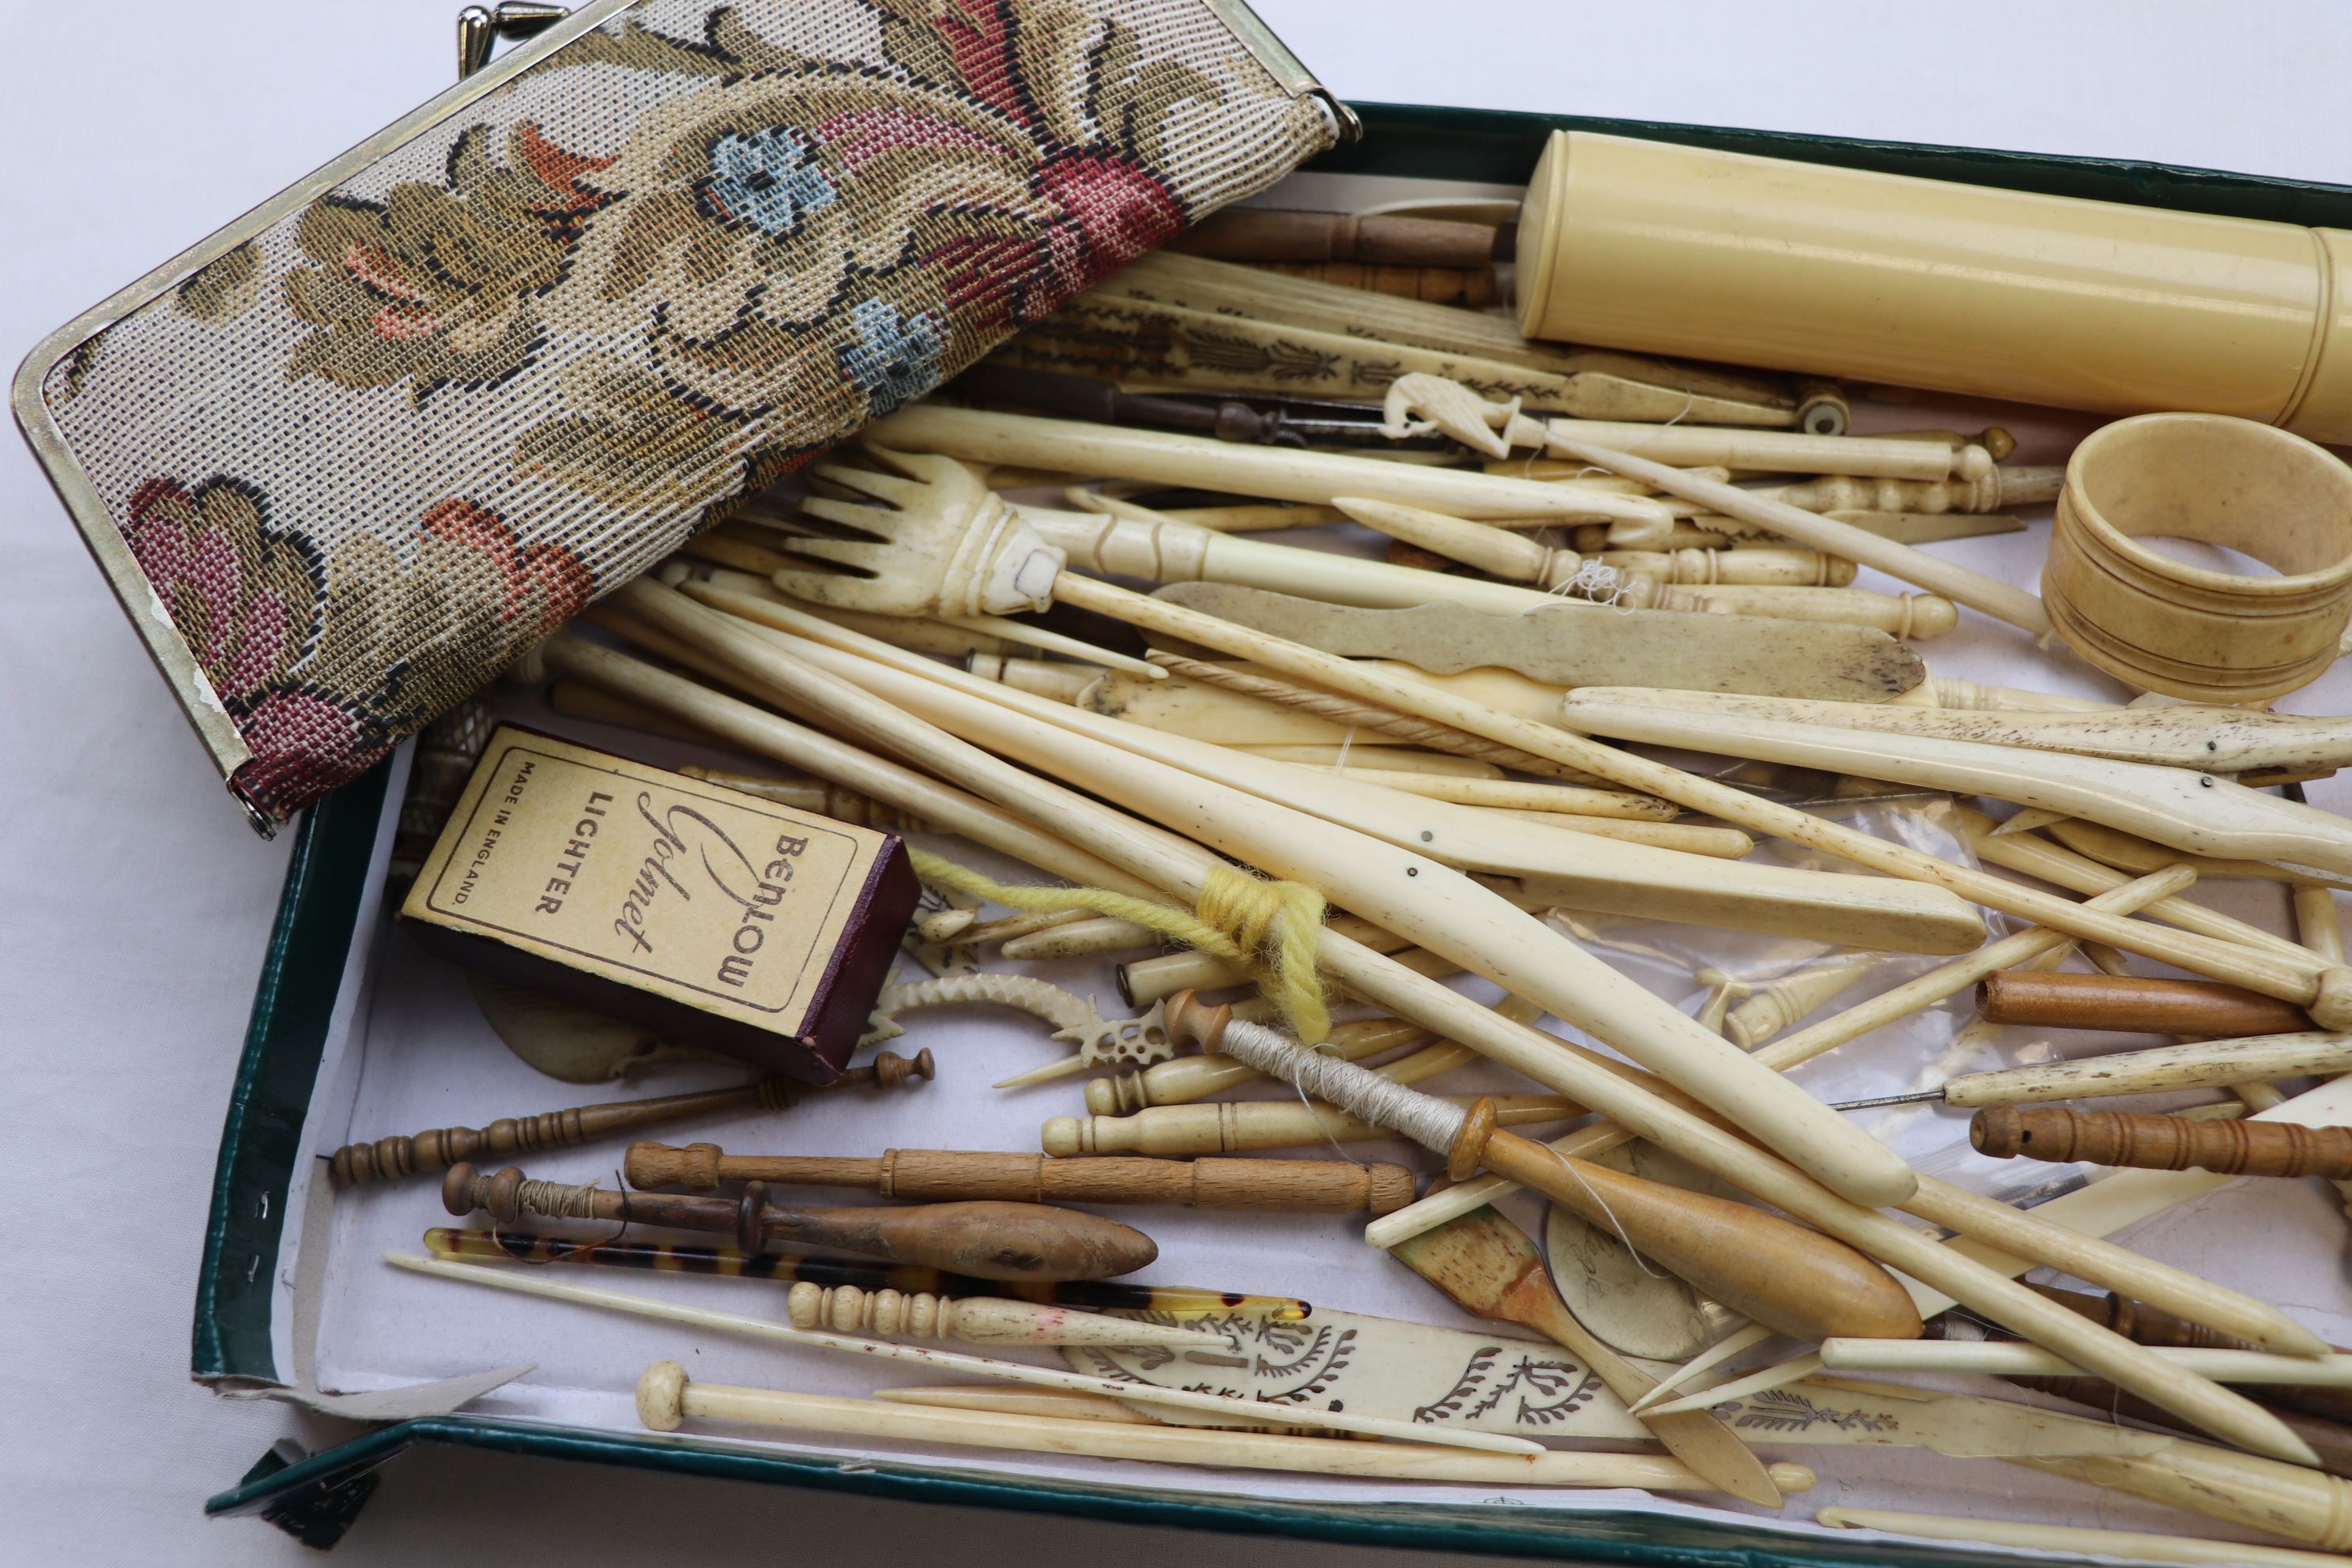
[[134, 902]]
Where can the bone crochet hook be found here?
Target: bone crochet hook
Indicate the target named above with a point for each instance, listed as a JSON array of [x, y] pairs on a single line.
[[2198, 812], [2206, 1064], [1767, 1269]]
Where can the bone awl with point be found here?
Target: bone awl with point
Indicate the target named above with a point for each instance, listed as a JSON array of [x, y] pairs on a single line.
[[1298, 1186], [787, 1268], [2132, 1004], [1779, 1273], [989, 1240], [2163, 1143]]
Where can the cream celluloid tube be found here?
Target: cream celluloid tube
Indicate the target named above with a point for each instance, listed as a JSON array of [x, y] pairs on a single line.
[[1640, 245]]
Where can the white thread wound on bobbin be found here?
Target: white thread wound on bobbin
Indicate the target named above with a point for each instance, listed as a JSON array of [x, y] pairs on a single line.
[[1429, 1121], [557, 1200]]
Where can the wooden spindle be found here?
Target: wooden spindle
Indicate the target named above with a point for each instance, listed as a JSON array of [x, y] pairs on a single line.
[[2163, 1143], [437, 1149]]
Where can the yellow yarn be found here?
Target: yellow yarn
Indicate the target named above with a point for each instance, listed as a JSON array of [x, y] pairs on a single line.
[[1265, 925]]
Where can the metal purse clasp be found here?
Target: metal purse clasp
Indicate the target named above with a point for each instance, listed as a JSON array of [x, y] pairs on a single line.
[[480, 26]]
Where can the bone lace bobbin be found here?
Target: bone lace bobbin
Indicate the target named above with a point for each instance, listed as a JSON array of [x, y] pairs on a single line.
[[1409, 994], [389, 1158], [1229, 1127], [977, 1320], [1727, 1250], [1311, 1186], [991, 1240]]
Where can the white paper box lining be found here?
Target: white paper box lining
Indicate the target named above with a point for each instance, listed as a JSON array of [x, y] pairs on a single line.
[[419, 1055]]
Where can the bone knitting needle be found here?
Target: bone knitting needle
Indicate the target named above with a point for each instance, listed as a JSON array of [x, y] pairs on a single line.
[[1979, 592], [1300, 1187], [2163, 1143], [529, 1282], [387, 1159], [2198, 812], [1761, 1265], [993, 1240], [666, 1399], [977, 1320], [1178, 1302], [1490, 1266], [2132, 1004], [2327, 990], [2126, 1545], [2038, 857], [2129, 851], [978, 436], [1359, 716], [2010, 1357], [2202, 1064], [1410, 995]]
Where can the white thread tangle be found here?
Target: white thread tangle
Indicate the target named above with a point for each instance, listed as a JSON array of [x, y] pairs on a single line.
[[1429, 1121]]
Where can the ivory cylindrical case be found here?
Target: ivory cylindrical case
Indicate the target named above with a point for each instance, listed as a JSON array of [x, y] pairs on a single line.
[[1643, 244]]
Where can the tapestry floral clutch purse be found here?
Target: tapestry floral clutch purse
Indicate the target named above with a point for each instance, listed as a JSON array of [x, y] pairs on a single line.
[[347, 459]]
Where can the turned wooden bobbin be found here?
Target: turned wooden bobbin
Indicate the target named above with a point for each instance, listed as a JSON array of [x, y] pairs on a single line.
[[2163, 1143]]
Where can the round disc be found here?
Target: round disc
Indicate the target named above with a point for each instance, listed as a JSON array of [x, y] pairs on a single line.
[[1641, 1311]]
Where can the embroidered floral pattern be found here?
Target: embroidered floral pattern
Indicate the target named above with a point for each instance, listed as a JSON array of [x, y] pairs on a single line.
[[431, 286], [683, 254]]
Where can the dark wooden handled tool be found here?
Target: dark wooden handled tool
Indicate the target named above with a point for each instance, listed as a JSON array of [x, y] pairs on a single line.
[[2133, 1004], [1298, 1186], [986, 1240], [388, 1158], [1492, 1267], [2163, 1143]]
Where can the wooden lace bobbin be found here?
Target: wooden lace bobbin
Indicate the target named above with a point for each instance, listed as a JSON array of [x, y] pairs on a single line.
[[1314, 1187], [2134, 1004], [388, 1158], [987, 1240], [666, 1399], [2160, 624], [977, 1320], [2163, 1143], [1444, 1010]]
